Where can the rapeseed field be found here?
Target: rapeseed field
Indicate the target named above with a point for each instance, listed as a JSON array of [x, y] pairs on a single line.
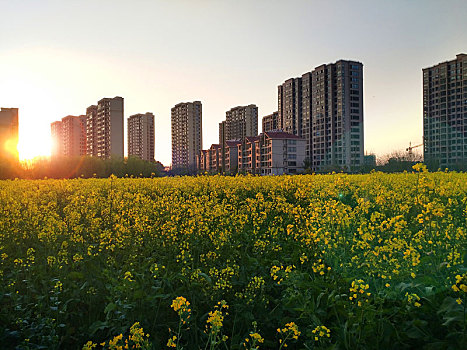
[[337, 261]]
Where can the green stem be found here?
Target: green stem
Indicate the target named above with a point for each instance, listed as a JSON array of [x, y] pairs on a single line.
[[285, 339], [178, 332]]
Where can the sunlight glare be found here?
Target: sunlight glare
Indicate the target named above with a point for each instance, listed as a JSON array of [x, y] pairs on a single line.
[[30, 146], [11, 147]]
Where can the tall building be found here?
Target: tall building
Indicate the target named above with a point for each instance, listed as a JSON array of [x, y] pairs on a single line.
[[306, 113], [222, 135], [290, 106], [105, 128], [270, 122], [57, 139], [240, 122], [69, 136], [141, 136], [187, 139], [336, 124], [91, 131], [325, 107], [9, 133], [445, 113]]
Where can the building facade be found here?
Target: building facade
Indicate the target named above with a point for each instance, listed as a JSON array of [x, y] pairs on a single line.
[[57, 139], [9, 133], [91, 131], [325, 107], [222, 133], [270, 153], [280, 153], [336, 125], [445, 114], [240, 122], [69, 136], [270, 122], [104, 128], [141, 136], [290, 106], [187, 138], [231, 156], [248, 155]]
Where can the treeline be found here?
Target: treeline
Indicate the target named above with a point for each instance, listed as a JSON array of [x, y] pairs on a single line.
[[395, 162], [85, 167]]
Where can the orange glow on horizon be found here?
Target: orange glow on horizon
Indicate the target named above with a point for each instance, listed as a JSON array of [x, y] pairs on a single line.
[[11, 148]]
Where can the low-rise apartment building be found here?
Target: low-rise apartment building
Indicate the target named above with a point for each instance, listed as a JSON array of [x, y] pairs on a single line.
[[270, 153], [247, 155], [280, 153], [231, 156]]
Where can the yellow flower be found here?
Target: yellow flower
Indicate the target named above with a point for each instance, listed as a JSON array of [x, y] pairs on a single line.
[[128, 276], [320, 332], [171, 342], [89, 345]]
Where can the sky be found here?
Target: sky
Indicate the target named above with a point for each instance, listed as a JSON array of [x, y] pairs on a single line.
[[59, 57]]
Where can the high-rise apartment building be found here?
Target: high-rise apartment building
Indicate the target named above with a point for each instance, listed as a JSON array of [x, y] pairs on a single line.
[[105, 128], [445, 113], [9, 133], [290, 106], [187, 139], [270, 122], [141, 136], [306, 113], [336, 124], [240, 122], [69, 136], [222, 134], [325, 107], [57, 139], [91, 131]]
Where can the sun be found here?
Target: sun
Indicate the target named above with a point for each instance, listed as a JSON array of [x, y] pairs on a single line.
[[32, 146]]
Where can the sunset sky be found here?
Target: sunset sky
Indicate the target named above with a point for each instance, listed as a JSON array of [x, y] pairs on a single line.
[[59, 57]]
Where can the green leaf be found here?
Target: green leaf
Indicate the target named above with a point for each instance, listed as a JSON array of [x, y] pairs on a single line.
[[110, 307]]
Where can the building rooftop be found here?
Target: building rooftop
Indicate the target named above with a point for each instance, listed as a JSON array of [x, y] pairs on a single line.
[[252, 138], [281, 135], [233, 142]]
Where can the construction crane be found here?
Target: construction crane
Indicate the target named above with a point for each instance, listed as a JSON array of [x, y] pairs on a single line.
[[410, 148]]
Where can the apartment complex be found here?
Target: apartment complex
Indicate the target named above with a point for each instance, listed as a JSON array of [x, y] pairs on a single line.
[[280, 153], [270, 153], [270, 122], [9, 132], [57, 139], [240, 122], [141, 136], [222, 134], [187, 139], [289, 96], [325, 107], [105, 128], [69, 137], [336, 125], [445, 113], [91, 131]]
